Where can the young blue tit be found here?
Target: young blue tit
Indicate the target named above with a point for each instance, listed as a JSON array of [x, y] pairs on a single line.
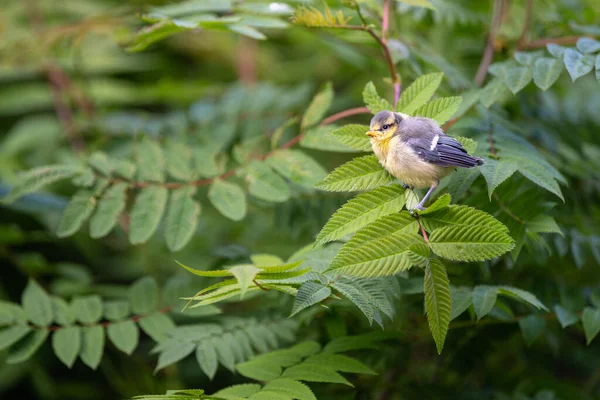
[[416, 150]]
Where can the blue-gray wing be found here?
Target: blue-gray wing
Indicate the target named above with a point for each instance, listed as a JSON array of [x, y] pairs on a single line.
[[445, 152]]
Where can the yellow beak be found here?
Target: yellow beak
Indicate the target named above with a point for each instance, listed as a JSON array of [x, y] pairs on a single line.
[[371, 133]]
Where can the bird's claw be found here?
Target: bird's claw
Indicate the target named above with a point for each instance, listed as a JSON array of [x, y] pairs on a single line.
[[405, 186], [417, 208]]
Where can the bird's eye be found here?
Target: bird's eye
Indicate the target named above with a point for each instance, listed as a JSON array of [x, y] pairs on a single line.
[[385, 127]]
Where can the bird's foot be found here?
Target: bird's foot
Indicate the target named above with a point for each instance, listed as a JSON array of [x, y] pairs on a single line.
[[405, 186], [417, 208]]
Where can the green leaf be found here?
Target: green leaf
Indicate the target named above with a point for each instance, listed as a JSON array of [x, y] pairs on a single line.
[[362, 173], [100, 162], [318, 107], [150, 161], [246, 30], [420, 3], [419, 92], [591, 323], [358, 298], [461, 181], [35, 179], [440, 204], [464, 216], [207, 358], [116, 310], [26, 347], [178, 160], [146, 213], [157, 326], [565, 317], [383, 256], [242, 390], [87, 309], [92, 345], [474, 243], [372, 100], [314, 373], [174, 353], [77, 212], [517, 78], [556, 50], [532, 327], [124, 335], [546, 72], [37, 304], [598, 67], [353, 136], [182, 218], [543, 224], [495, 172], [522, 295], [308, 294], [462, 298], [441, 109], [528, 58], [469, 144], [292, 388], [362, 210], [265, 184], [588, 45], [66, 343], [258, 369], [578, 64], [210, 274], [320, 138], [340, 363], [228, 198], [492, 92], [245, 275], [484, 298], [109, 208], [12, 334], [224, 352], [297, 167], [268, 260], [438, 302], [143, 295]]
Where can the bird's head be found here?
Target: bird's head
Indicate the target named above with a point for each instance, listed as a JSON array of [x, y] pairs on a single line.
[[384, 125]]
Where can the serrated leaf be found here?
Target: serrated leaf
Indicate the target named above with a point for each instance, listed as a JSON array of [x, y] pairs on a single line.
[[532, 327], [291, 388], [318, 107], [12, 334], [361, 173], [362, 210], [269, 261], [124, 335], [464, 216], [353, 136], [308, 294], [265, 184], [468, 144], [484, 298], [591, 323], [439, 204], [66, 343], [92, 345], [314, 373], [37, 304], [150, 161], [419, 92], [474, 243], [578, 64], [461, 181], [588, 45], [245, 275], [528, 58], [178, 160], [492, 92], [182, 218], [383, 256], [522, 295], [146, 213], [35, 179], [441, 109], [100, 162], [543, 224], [246, 30], [228, 198], [340, 363], [565, 317], [207, 358], [539, 175], [109, 208], [546, 71], [495, 172], [174, 353], [556, 50], [320, 138], [210, 274], [77, 212], [87, 309], [462, 298], [26, 347], [143, 295], [297, 167], [517, 78], [372, 100], [157, 326], [358, 298], [223, 351], [242, 390], [438, 302]]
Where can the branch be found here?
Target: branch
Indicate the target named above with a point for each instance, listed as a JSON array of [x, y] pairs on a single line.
[[565, 40], [385, 23], [488, 53], [526, 23]]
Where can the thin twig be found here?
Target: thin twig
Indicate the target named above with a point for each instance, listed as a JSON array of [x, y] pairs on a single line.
[[491, 142], [488, 54], [246, 62], [526, 24], [564, 40], [423, 232], [385, 23], [506, 209]]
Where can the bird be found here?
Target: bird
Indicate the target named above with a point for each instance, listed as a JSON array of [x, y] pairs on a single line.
[[416, 151]]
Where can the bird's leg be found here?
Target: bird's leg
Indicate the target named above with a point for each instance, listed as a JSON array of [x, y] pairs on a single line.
[[421, 206]]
